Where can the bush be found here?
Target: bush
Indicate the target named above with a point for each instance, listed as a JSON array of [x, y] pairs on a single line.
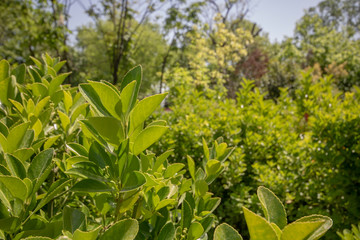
[[304, 146]]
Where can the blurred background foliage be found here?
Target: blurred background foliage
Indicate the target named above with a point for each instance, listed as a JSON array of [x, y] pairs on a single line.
[[295, 120]]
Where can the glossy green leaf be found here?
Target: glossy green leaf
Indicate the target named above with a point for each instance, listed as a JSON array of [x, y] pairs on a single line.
[[4, 81], [161, 159], [83, 173], [19, 72], [56, 82], [167, 232], [126, 97], [89, 235], [186, 215], [15, 187], [309, 228], [143, 109], [54, 191], [300, 231], [123, 230], [191, 166], [39, 89], [226, 232], [23, 154], [93, 98], [133, 181], [50, 141], [201, 187], [10, 224], [147, 137], [259, 228], [15, 166], [134, 74], [274, 210], [65, 120], [40, 163], [35, 76], [90, 185], [72, 219], [108, 95], [195, 231], [15, 136], [77, 149], [109, 128], [173, 169]]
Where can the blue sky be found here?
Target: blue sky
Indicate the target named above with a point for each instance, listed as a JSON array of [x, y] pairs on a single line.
[[276, 17]]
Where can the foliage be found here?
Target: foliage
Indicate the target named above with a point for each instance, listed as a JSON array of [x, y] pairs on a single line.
[[94, 64], [304, 146], [74, 163], [353, 234], [274, 226]]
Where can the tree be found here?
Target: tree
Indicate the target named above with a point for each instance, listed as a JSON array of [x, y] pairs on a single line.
[[146, 49], [125, 18]]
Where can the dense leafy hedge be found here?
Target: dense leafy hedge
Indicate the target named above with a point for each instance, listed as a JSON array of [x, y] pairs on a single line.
[[305, 145]]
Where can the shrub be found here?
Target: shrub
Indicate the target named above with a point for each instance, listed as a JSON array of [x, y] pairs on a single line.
[[304, 146]]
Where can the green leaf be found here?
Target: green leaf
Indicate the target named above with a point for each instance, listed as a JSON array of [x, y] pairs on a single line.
[[90, 185], [23, 154], [201, 187], [65, 120], [126, 97], [10, 224], [37, 238], [15, 166], [90, 235], [15, 136], [259, 228], [274, 210], [143, 109], [173, 169], [212, 167], [108, 95], [35, 76], [37, 62], [133, 181], [93, 98], [50, 141], [147, 137], [164, 203], [186, 215], [109, 128], [195, 231], [15, 186], [19, 73], [72, 219], [307, 228], [56, 82], [40, 106], [167, 232], [300, 231], [123, 230], [4, 81], [191, 166], [40, 163], [53, 192], [77, 149], [98, 155], [161, 159], [133, 74], [39, 89], [83, 173], [226, 232]]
